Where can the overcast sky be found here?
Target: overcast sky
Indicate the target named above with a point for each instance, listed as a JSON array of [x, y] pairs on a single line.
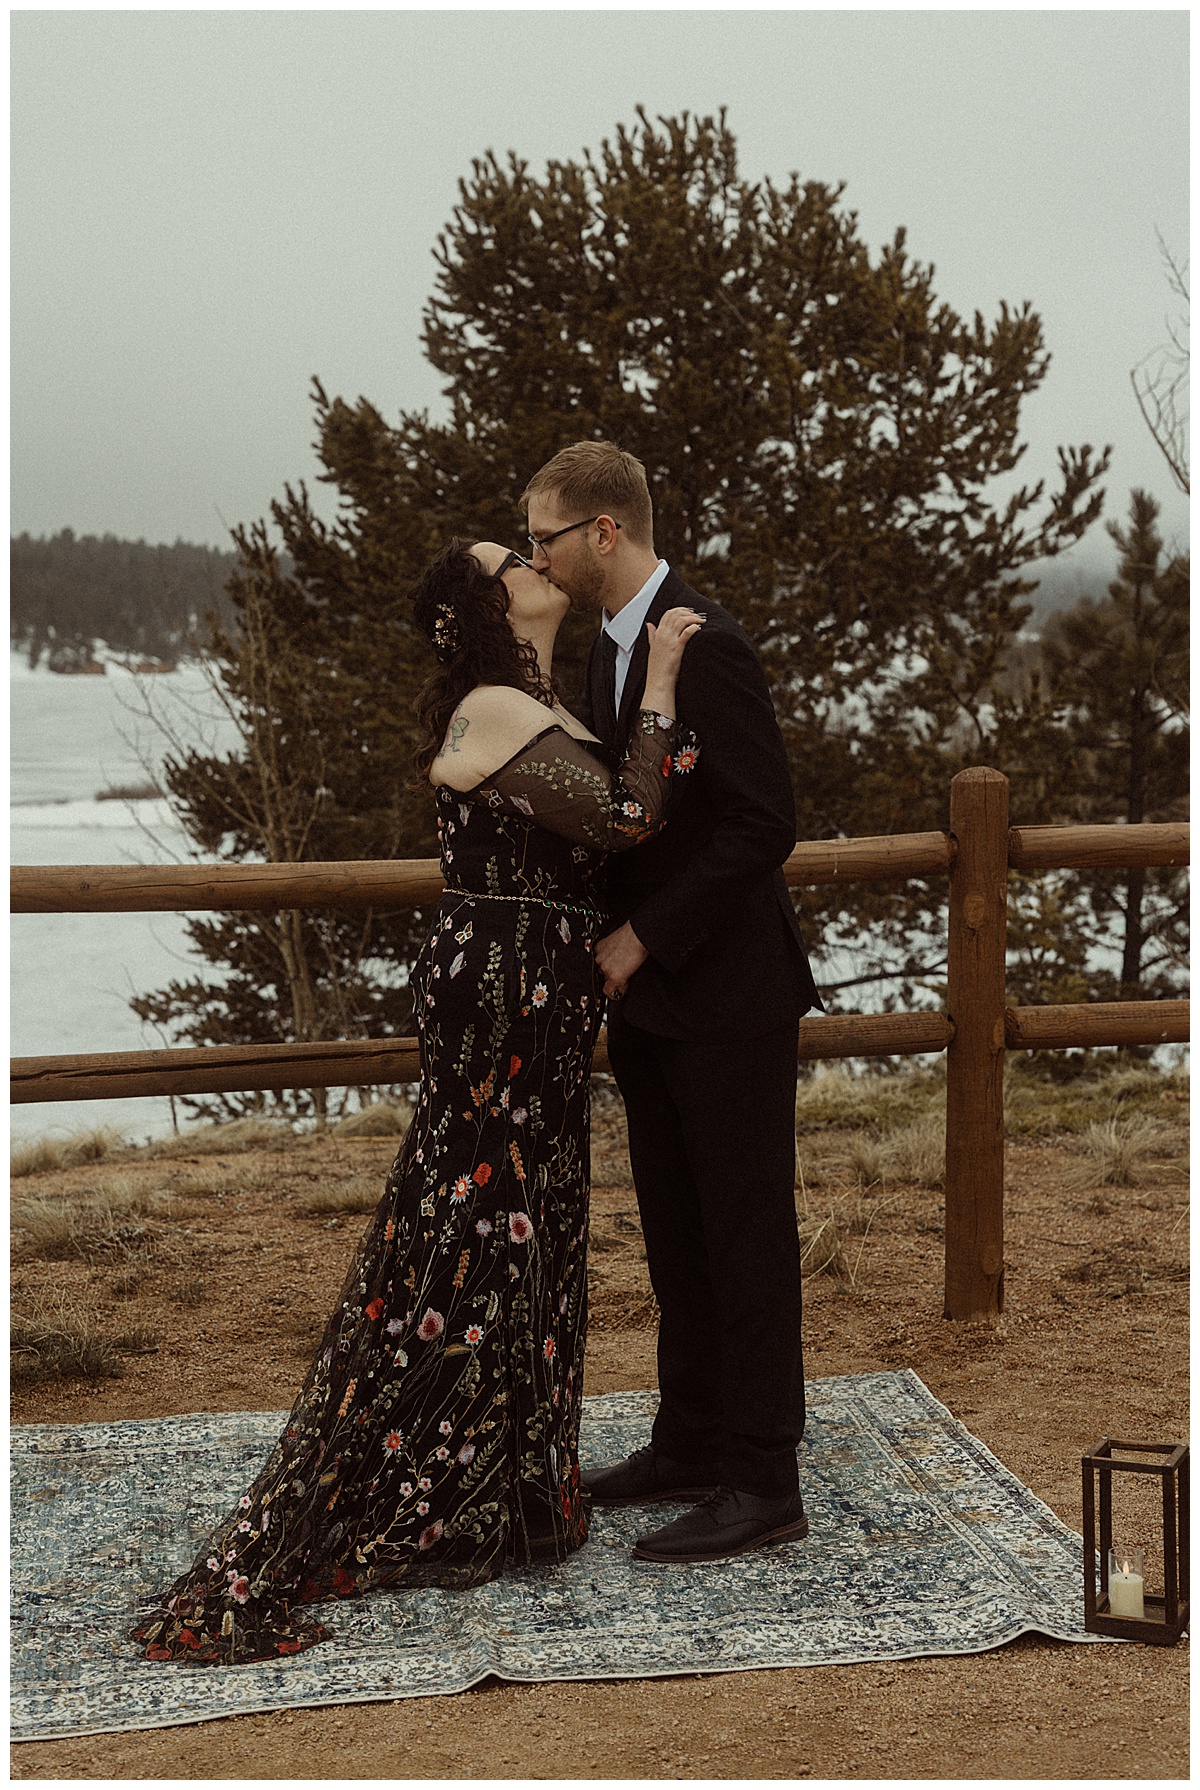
[[210, 207]]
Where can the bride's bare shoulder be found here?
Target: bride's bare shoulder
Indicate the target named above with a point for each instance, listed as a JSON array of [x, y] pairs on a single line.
[[490, 724]]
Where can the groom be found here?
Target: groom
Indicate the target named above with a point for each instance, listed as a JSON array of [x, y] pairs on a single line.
[[707, 978]]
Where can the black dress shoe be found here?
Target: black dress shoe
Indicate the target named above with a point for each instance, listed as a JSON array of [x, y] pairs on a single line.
[[646, 1478], [728, 1522]]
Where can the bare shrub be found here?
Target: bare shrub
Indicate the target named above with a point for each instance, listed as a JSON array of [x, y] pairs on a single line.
[[362, 1193], [383, 1118]]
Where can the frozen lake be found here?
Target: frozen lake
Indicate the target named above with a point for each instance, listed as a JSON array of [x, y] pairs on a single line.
[[72, 974]]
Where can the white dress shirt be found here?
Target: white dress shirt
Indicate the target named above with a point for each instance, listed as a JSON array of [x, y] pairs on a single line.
[[626, 625]]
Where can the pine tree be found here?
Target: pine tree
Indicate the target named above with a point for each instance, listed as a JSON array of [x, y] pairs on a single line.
[[820, 435], [1118, 670]]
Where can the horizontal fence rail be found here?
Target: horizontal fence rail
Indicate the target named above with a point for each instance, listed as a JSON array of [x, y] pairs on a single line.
[[417, 882], [975, 855], [364, 1062], [1089, 1024]]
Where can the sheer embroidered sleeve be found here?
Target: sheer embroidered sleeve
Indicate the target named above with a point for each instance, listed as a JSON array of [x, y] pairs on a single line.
[[562, 784]]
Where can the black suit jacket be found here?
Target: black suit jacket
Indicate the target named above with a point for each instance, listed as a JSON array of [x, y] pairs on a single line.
[[707, 896]]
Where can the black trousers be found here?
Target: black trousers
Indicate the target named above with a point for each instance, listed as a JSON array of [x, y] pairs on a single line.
[[712, 1142]]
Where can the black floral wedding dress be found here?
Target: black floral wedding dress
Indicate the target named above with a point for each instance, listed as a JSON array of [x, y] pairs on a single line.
[[434, 1441]]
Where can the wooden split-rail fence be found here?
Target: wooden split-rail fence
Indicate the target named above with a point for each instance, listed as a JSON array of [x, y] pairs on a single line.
[[975, 1030]]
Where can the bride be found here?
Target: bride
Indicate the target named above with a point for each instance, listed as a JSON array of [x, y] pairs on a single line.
[[434, 1440]]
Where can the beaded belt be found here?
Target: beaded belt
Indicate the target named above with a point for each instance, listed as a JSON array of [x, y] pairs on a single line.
[[542, 901]]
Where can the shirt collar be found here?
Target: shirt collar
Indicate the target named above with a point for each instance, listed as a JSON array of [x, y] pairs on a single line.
[[627, 623]]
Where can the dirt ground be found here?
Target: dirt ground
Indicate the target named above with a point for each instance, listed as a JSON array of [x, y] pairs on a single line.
[[229, 1283]]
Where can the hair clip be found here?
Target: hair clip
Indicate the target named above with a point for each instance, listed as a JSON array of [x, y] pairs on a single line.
[[447, 636]]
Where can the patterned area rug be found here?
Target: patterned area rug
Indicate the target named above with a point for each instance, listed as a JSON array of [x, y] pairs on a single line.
[[921, 1543]]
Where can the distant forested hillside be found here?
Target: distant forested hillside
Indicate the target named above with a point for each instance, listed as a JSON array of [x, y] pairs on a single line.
[[69, 593]]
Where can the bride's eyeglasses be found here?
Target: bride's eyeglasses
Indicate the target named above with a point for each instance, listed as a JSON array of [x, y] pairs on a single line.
[[511, 559]]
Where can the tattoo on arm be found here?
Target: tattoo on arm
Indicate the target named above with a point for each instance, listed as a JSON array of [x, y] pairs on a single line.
[[458, 726]]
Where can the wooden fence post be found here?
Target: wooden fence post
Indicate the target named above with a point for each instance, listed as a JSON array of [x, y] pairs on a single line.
[[975, 1056]]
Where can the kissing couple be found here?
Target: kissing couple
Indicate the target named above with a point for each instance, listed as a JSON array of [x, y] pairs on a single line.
[[630, 851]]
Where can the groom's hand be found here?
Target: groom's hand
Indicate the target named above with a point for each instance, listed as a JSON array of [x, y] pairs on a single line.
[[620, 955]]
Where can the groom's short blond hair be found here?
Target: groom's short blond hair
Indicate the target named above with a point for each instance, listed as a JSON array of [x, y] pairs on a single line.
[[596, 478]]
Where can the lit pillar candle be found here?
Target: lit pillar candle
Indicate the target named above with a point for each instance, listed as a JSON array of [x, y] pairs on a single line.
[[1126, 1586]]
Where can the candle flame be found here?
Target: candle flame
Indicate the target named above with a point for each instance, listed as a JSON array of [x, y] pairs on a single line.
[[1125, 1566]]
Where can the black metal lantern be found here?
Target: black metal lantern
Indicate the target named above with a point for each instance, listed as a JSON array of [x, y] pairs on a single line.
[[1164, 1618]]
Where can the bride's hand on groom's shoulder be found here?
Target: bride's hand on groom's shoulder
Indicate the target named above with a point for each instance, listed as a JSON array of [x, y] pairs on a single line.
[[667, 640]]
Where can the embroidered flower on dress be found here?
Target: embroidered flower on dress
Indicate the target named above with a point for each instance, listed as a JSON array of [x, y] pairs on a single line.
[[520, 1227], [430, 1535], [548, 1348], [460, 1190], [685, 760], [519, 1115], [482, 1175], [472, 1334], [239, 1589], [406, 1488], [394, 1326], [375, 1309], [484, 1226], [431, 1325], [394, 1441], [425, 1485], [423, 1508], [444, 1427], [466, 1454]]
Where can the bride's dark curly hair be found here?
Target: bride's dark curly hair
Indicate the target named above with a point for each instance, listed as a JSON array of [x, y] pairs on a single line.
[[463, 613]]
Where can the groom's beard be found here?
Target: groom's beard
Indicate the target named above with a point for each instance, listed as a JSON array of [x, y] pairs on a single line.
[[583, 586]]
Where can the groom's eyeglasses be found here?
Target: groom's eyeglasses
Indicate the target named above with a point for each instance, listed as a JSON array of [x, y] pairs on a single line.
[[543, 541], [511, 559]]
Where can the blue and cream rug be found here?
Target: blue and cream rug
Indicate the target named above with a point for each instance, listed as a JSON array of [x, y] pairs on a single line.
[[921, 1543]]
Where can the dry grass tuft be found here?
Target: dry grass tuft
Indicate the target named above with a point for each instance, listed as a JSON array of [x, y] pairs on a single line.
[[44, 1154], [1116, 1148], [869, 1160], [57, 1337], [1035, 1105], [258, 1131], [96, 1224], [621, 1310], [918, 1151], [836, 1099], [361, 1193], [228, 1181], [834, 1232], [383, 1118]]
